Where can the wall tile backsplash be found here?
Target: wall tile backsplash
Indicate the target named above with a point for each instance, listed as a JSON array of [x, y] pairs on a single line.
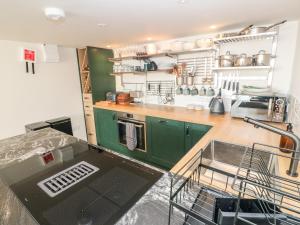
[[294, 114]]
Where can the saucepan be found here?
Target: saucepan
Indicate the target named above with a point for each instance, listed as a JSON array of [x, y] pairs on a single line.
[[226, 60], [243, 60], [258, 30], [262, 58]]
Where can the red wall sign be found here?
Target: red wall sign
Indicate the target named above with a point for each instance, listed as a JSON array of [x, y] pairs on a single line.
[[29, 55]]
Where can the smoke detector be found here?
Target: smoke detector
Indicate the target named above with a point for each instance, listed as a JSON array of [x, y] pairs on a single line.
[[54, 14]]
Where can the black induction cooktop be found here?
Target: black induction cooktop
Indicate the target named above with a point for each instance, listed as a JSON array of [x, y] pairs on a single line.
[[78, 185]]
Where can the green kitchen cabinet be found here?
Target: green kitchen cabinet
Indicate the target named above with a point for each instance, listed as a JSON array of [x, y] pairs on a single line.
[[106, 128], [166, 141], [193, 133], [100, 69]]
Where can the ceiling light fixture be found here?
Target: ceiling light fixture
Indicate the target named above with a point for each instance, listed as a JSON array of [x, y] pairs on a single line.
[[182, 1], [108, 46], [54, 14], [213, 27], [101, 25], [149, 38]]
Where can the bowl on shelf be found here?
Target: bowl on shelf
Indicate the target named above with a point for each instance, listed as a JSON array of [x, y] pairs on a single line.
[[204, 43], [177, 46], [189, 45]]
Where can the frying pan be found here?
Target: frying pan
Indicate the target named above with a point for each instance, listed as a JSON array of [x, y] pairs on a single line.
[[259, 30]]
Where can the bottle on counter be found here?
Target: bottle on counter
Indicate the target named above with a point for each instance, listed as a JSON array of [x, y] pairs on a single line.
[[286, 142]]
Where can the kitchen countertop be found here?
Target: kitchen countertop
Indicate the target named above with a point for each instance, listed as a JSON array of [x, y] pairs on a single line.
[[224, 128]]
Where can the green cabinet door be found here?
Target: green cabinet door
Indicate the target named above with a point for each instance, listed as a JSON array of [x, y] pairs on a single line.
[[106, 128], [165, 141], [100, 70], [193, 133]]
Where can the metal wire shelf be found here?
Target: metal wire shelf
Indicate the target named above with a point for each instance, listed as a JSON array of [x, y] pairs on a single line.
[[194, 189], [196, 186], [261, 36], [160, 88], [259, 182]]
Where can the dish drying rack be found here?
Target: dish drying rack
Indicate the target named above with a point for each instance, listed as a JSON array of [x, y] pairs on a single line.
[[195, 187], [268, 188]]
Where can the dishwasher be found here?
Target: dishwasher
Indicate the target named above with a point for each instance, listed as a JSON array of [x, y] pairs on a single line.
[[252, 193]]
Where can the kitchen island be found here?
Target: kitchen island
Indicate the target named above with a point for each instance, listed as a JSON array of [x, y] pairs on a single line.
[[19, 148]]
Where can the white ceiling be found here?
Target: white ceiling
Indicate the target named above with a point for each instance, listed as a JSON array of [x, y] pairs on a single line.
[[132, 21]]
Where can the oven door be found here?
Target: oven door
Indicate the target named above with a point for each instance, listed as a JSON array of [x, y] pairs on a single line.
[[140, 133]]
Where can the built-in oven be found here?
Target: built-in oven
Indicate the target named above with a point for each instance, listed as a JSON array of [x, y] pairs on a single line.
[[139, 122]]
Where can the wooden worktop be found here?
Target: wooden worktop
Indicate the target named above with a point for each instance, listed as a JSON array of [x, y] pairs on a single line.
[[224, 128]]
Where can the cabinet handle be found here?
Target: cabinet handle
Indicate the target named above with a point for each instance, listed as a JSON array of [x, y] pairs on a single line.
[[187, 131], [88, 115], [163, 121], [114, 116]]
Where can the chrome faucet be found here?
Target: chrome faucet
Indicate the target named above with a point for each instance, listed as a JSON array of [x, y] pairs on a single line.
[[292, 171]]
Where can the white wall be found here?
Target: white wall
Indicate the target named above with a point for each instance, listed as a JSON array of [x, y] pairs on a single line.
[[282, 71], [53, 91], [295, 87]]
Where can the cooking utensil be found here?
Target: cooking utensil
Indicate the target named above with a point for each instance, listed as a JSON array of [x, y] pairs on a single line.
[[179, 80], [179, 90], [194, 91], [224, 84], [186, 91], [202, 91], [242, 32], [226, 60], [243, 60], [232, 34], [151, 66], [229, 82], [262, 58], [259, 30], [190, 80], [210, 91]]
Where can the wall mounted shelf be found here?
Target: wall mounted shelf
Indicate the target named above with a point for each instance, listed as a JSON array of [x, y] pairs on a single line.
[[249, 37], [143, 72], [171, 54], [242, 68]]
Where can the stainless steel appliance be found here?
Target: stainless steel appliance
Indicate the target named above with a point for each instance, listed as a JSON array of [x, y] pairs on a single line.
[[264, 108], [139, 122]]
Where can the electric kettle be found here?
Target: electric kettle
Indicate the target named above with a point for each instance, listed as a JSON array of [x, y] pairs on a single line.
[[216, 104]]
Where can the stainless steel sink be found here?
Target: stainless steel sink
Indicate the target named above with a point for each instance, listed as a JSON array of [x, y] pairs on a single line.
[[227, 157]]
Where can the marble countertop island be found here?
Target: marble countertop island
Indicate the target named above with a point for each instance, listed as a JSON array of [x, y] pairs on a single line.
[[18, 148], [151, 209]]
